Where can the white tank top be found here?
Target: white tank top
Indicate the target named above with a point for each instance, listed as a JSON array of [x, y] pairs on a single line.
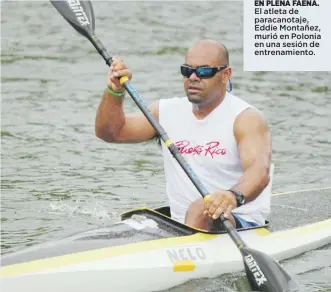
[[210, 148]]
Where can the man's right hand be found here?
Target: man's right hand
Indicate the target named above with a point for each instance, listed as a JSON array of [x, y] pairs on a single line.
[[117, 70]]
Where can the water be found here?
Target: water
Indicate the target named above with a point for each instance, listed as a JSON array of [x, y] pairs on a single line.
[[57, 177]]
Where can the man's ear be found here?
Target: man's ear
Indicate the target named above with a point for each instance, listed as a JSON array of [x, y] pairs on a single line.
[[227, 74]]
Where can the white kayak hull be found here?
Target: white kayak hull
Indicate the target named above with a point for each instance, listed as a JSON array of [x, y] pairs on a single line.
[[157, 264]]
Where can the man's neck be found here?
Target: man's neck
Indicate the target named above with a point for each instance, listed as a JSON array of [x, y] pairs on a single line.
[[203, 110]]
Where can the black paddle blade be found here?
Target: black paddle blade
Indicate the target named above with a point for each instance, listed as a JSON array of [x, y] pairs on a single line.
[[79, 14], [265, 274]]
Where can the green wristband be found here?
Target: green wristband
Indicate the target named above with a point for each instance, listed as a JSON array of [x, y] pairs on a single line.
[[115, 93]]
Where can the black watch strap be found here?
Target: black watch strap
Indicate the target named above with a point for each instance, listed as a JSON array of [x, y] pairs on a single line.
[[240, 198]]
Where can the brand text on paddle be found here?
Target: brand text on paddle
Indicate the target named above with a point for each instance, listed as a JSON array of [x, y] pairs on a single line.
[[255, 269], [79, 12]]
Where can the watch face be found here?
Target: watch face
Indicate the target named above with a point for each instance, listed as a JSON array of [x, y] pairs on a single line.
[[240, 199]]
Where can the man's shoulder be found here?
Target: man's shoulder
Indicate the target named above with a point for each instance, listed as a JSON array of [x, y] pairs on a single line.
[[238, 106], [247, 114], [250, 120], [251, 114], [239, 100]]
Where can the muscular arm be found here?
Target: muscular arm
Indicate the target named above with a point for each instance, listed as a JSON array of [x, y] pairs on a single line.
[[112, 125], [254, 143]]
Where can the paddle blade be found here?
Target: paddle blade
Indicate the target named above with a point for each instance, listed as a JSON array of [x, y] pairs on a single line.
[[79, 14], [265, 274]]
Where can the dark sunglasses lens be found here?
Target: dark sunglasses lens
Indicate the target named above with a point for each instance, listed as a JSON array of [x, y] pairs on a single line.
[[205, 72], [186, 71]]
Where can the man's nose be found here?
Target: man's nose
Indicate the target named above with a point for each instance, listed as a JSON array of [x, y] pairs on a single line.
[[194, 77]]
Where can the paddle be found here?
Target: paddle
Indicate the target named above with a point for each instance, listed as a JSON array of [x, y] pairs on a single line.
[[264, 273]]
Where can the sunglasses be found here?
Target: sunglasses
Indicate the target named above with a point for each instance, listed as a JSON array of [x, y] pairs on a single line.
[[201, 72]]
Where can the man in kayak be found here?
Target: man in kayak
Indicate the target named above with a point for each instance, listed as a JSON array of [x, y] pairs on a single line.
[[224, 139]]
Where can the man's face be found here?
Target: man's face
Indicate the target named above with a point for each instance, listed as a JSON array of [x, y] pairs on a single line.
[[199, 90]]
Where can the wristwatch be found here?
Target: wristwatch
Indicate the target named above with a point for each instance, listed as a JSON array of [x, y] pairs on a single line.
[[240, 198]]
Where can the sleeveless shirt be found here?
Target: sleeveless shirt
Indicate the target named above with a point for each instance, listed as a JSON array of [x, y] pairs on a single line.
[[210, 148]]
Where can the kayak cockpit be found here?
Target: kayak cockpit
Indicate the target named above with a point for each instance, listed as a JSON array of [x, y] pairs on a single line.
[[162, 217]]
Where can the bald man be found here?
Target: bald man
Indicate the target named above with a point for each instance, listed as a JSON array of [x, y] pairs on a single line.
[[224, 139]]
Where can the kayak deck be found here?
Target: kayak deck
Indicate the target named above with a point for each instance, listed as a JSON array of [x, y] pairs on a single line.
[[149, 247], [143, 224], [138, 225]]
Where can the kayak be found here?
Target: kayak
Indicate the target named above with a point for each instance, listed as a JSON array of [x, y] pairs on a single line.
[[148, 251]]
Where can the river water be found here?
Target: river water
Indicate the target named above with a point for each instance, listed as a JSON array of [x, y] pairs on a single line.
[[57, 177]]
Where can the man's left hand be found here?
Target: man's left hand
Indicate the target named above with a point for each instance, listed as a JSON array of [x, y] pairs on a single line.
[[218, 203]]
